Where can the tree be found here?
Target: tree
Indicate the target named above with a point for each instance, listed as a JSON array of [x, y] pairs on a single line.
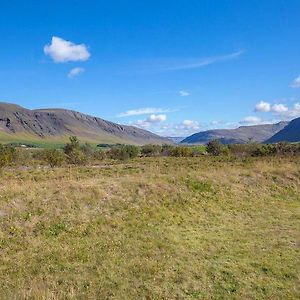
[[74, 152], [214, 147]]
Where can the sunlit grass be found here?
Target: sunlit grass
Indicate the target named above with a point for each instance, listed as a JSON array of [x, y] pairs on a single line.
[[152, 228]]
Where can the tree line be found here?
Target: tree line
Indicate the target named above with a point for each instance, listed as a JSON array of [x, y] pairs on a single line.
[[75, 153]]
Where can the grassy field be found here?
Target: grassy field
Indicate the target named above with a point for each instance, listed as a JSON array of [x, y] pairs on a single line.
[[152, 228]]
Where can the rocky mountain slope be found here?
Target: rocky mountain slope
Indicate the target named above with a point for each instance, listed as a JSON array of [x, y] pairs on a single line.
[[18, 123], [290, 133], [242, 134]]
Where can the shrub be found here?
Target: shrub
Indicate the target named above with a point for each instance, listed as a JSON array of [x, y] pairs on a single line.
[[214, 147], [151, 150], [166, 149], [182, 152], [6, 155], [87, 150], [124, 152], [74, 152], [54, 157], [99, 155]]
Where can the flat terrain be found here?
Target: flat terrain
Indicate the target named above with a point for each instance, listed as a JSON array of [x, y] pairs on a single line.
[[152, 228]]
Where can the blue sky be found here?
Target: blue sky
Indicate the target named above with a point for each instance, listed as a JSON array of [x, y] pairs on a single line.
[[173, 67]]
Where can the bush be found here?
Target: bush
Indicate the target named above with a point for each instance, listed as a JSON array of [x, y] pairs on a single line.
[[54, 157], [87, 150], [6, 155], [99, 155], [124, 152], [166, 149], [182, 152], [74, 153], [151, 150], [214, 147]]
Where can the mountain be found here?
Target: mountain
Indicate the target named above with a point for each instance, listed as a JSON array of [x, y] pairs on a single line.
[[175, 139], [56, 125], [290, 133], [242, 134]]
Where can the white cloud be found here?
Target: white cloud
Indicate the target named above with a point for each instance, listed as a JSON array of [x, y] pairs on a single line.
[[151, 120], [144, 111], [251, 120], [293, 112], [75, 72], [296, 82], [62, 51], [184, 93], [189, 124], [156, 118], [263, 107], [279, 108]]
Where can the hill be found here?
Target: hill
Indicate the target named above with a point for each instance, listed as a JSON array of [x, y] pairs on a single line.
[[56, 125], [290, 133], [242, 134]]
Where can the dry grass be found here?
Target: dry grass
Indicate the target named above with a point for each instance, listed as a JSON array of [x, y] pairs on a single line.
[[153, 228]]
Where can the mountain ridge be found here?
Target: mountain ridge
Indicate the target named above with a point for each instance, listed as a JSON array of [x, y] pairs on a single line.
[[290, 133], [17, 122], [242, 134]]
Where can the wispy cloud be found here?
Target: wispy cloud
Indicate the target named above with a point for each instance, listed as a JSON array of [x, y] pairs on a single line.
[[62, 51], [75, 72], [296, 82], [184, 93], [167, 64], [201, 62], [144, 111], [251, 120]]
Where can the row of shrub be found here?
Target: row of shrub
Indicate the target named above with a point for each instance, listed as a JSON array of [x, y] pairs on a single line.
[[79, 154]]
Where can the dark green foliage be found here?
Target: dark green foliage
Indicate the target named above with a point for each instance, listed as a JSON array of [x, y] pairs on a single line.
[[54, 157], [6, 155], [151, 150], [124, 152], [214, 148], [74, 153]]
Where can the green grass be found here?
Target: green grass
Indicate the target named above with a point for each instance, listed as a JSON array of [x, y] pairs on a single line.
[[152, 228]]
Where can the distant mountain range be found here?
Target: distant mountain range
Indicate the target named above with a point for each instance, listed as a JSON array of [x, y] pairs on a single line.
[[175, 139], [290, 133], [18, 124], [56, 125], [242, 134]]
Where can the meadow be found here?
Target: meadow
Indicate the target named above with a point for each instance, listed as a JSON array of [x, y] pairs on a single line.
[[152, 228]]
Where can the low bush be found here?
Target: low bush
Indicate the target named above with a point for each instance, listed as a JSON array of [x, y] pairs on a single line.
[[151, 150], [182, 152], [54, 157], [6, 155], [124, 152]]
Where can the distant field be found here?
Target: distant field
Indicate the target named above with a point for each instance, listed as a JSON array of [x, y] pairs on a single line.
[[152, 228]]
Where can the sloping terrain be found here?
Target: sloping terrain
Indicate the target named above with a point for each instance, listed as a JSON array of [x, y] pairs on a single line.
[[18, 123], [242, 134], [290, 133]]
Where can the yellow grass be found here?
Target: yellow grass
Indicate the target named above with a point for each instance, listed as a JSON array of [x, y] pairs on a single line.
[[152, 228]]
